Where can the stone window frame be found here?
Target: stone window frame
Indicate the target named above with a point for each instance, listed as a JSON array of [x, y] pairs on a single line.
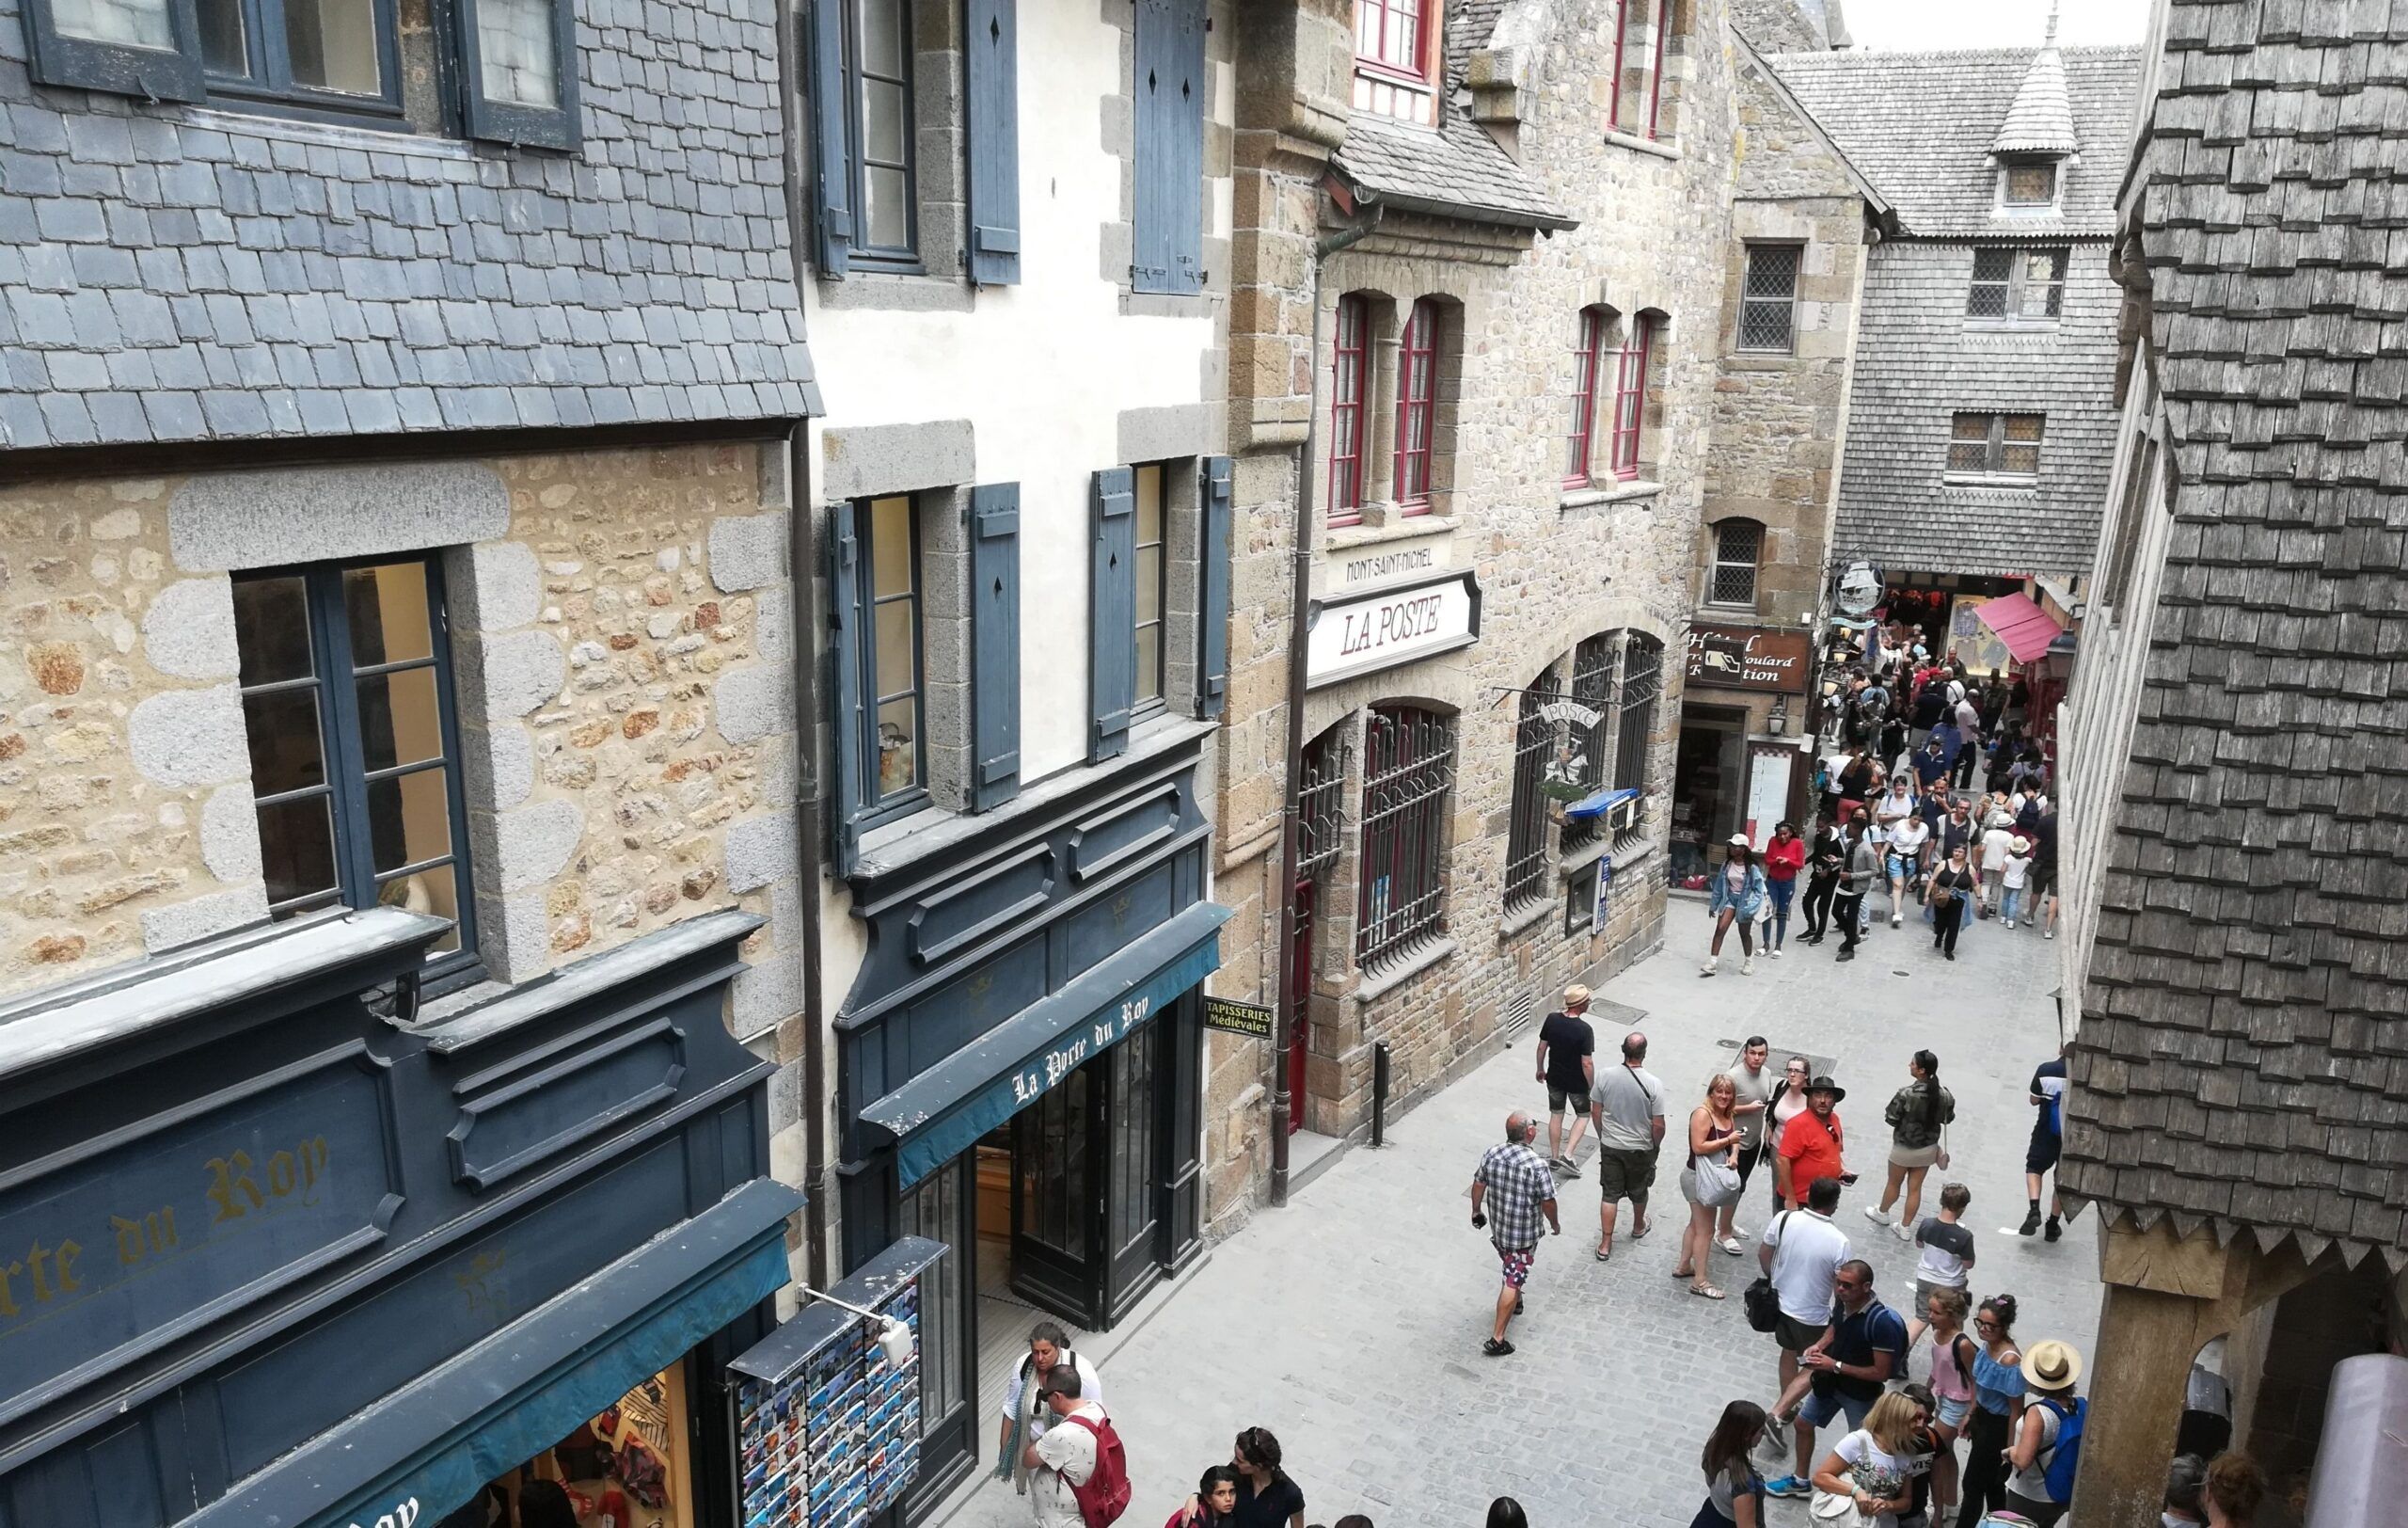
[[1386, 309], [1718, 558], [938, 281], [1663, 43], [1117, 246], [1651, 331], [1588, 358], [2007, 206], [1785, 302]]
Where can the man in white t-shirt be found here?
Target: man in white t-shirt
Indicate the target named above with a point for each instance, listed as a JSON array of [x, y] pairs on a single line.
[[1801, 1252], [1064, 1456]]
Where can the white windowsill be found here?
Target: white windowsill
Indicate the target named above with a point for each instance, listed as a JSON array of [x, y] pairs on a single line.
[[1608, 493], [398, 140], [1987, 480], [1645, 145], [1348, 537]]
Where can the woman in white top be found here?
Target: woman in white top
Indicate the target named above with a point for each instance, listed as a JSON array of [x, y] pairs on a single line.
[[2014, 872], [1875, 1465], [1786, 1102], [1025, 1416], [1904, 864]]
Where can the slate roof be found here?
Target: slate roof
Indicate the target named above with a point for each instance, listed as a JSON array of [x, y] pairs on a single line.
[[2039, 120], [2242, 1058], [1922, 126], [176, 275], [1456, 169]]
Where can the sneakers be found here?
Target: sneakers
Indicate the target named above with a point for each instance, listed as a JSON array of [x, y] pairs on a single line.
[[2031, 1224], [1746, 965], [1878, 1216], [1788, 1486], [1904, 1232], [1709, 968], [2053, 1232], [1777, 1434], [1774, 952], [1898, 920], [2010, 923], [1567, 1167], [2051, 935]]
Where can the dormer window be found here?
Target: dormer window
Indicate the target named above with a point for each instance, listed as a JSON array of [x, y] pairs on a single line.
[[1395, 54], [2028, 182]]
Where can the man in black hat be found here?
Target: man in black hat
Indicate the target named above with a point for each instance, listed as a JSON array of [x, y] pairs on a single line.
[[1810, 1144]]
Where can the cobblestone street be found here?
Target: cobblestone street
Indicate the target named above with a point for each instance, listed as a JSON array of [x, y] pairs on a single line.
[[1350, 1322]]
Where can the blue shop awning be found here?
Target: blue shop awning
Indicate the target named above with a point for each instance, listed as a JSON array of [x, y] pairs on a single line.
[[940, 1113], [437, 1441]]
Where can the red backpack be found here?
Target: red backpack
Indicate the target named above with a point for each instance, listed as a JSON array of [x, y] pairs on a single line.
[[1105, 1495]]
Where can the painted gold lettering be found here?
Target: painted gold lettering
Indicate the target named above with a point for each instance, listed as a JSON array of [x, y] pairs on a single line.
[[314, 1167], [41, 1284], [232, 1186], [129, 1240], [9, 1272], [64, 1265], [282, 1175]]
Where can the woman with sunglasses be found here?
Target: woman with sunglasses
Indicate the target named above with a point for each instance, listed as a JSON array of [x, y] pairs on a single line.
[[1998, 1405], [1787, 1102]]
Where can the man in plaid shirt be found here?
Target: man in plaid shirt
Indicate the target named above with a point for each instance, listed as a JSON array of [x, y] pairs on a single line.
[[1515, 1187]]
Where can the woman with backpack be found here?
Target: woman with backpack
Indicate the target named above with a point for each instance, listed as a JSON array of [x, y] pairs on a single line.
[[1734, 1492], [1266, 1497], [2047, 1441], [1998, 1405], [1917, 1115]]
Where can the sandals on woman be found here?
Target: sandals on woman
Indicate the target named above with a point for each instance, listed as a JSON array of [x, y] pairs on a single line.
[[1707, 1292]]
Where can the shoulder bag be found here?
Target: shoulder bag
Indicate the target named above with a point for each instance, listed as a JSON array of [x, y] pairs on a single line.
[[1715, 1181], [1759, 1300]]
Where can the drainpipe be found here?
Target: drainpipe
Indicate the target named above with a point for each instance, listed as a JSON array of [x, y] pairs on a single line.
[[1366, 209]]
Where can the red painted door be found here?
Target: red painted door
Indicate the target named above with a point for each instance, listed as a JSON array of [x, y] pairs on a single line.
[[1300, 979]]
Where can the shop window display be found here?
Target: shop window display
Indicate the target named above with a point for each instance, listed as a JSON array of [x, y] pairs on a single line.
[[624, 1467]]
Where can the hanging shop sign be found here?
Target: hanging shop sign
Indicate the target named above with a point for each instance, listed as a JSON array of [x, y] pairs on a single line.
[[1232, 1017], [1398, 623], [828, 1427], [1737, 658]]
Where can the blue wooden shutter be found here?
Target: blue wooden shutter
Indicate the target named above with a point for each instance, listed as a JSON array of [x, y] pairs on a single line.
[[992, 53], [994, 644], [844, 661], [832, 137], [1170, 211], [1112, 620], [1212, 589]]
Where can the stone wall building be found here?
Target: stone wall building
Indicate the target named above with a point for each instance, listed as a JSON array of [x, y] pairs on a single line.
[[1804, 221], [1474, 357], [398, 736], [1981, 419], [2234, 813]]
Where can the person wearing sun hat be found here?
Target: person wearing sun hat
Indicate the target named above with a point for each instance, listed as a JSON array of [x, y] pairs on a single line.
[[2047, 1441]]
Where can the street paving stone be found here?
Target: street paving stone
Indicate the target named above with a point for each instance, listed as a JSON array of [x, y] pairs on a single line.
[[1350, 1322]]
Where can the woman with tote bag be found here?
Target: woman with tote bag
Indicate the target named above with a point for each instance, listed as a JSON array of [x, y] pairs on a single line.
[[1710, 1180]]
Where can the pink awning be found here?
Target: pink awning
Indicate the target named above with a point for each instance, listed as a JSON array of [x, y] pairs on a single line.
[[2026, 630]]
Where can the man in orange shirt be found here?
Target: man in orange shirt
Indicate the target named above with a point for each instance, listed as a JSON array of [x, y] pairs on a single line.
[[1810, 1144]]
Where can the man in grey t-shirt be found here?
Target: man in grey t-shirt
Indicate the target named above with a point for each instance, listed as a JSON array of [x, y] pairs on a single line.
[[1627, 1106], [1754, 1086]]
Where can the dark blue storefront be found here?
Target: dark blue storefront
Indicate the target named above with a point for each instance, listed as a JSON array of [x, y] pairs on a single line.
[[1021, 1065], [274, 1254]]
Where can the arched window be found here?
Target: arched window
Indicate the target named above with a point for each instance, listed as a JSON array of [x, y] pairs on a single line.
[[1408, 773], [1350, 375], [1320, 799], [1592, 685], [1534, 742], [1738, 548], [1642, 683], [1630, 393]]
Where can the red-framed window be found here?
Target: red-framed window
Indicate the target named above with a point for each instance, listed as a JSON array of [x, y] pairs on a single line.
[[1417, 410], [1349, 373], [1587, 364], [1394, 35], [1622, 39], [1661, 16], [1630, 396]]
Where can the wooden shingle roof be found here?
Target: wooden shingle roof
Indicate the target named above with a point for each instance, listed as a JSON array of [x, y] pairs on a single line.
[[2242, 1060]]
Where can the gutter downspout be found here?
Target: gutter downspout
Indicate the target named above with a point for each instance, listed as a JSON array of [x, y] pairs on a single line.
[[803, 545], [1367, 211]]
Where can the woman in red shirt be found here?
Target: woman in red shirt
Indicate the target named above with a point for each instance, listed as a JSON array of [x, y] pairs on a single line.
[[1785, 856]]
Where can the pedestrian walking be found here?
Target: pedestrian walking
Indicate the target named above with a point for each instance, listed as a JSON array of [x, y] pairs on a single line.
[[1735, 1493], [1025, 1417], [1860, 780], [1628, 1107], [1969, 729], [1948, 901], [2043, 894], [1923, 1459], [1998, 1405], [1266, 1497], [1845, 1371], [1872, 1465], [2186, 1490], [1989, 859], [1736, 894], [1824, 861], [1710, 1181], [1214, 1503], [1513, 1182], [1903, 864], [1751, 1087], [1810, 1144], [1077, 1447], [1863, 867], [2236, 1488], [1505, 1512], [1784, 857], [1786, 1101], [1918, 1115], [1801, 1253], [1567, 1064], [1952, 1389], [2014, 876], [1945, 1259], [2048, 1440], [2048, 1144], [1895, 805]]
